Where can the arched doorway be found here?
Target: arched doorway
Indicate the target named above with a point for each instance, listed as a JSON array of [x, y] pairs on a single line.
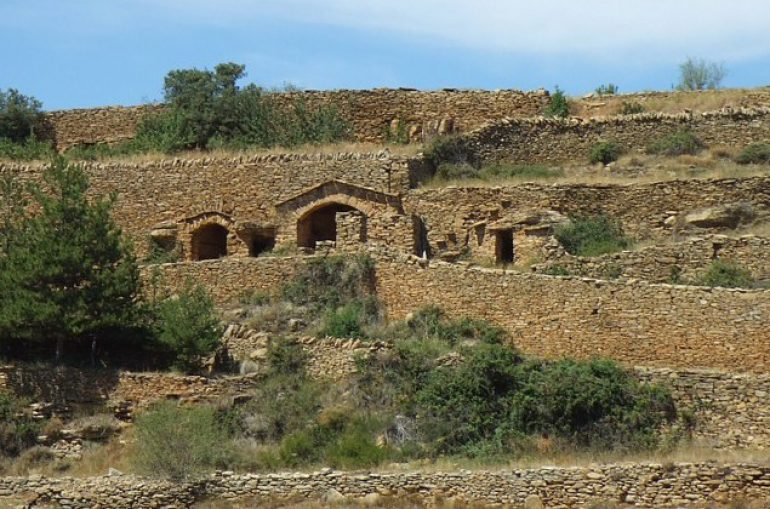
[[209, 242], [320, 224]]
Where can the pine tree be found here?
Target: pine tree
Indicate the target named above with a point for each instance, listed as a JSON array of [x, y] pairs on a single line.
[[67, 274]]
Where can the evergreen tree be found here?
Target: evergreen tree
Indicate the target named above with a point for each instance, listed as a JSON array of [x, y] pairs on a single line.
[[67, 275]]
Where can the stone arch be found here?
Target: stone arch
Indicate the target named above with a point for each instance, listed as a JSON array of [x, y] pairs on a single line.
[[319, 222], [209, 236]]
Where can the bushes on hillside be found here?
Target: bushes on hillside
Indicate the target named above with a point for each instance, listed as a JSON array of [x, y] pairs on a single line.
[[18, 431], [756, 153], [605, 152], [726, 274], [676, 144], [188, 326], [500, 171], [178, 442], [559, 106], [592, 236]]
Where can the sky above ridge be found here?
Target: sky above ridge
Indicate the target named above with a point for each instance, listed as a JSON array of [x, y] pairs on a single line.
[[84, 53]]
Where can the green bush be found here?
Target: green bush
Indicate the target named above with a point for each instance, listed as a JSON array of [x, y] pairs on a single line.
[[20, 116], [726, 274], [756, 153], [456, 171], [494, 397], [594, 403], [345, 322], [189, 327], [18, 431], [608, 89], [559, 106], [27, 150], [283, 404], [208, 110], [592, 236], [179, 442], [605, 152], [286, 357], [675, 144], [452, 150], [331, 282], [557, 270]]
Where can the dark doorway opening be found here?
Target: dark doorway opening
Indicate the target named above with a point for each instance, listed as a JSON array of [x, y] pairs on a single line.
[[209, 242], [320, 225], [504, 246]]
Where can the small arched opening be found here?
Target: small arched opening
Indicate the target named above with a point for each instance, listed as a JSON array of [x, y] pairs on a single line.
[[320, 224], [209, 242]]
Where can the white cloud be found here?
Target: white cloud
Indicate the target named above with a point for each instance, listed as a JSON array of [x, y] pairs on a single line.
[[665, 29]]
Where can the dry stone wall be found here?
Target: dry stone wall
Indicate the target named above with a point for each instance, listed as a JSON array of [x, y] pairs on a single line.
[[112, 124], [680, 261], [632, 321], [244, 188], [547, 140], [634, 485], [370, 112], [645, 210]]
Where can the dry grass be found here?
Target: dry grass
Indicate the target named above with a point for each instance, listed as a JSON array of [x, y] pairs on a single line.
[[332, 148], [673, 102], [632, 169], [371, 501]]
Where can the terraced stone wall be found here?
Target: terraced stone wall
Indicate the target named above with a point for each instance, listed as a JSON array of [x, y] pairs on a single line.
[[670, 263], [646, 211], [370, 112], [551, 141], [634, 485]]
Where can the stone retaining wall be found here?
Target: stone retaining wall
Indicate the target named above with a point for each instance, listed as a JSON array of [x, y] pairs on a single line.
[[634, 322], [549, 141], [370, 112], [635, 485], [680, 261]]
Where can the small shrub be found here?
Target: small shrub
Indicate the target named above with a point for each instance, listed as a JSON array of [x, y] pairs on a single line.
[[592, 236], [18, 431], [344, 322], [608, 89], [331, 282], [726, 274], [756, 153], [456, 171], [448, 150], [286, 357], [189, 327], [605, 152], [675, 144], [399, 135], [559, 106], [157, 254], [253, 298], [631, 108], [557, 270], [27, 150], [178, 442]]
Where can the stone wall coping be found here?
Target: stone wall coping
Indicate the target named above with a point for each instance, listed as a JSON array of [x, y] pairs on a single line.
[[234, 159]]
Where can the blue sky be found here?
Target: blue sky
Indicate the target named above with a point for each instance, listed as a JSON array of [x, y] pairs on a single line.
[[83, 53]]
